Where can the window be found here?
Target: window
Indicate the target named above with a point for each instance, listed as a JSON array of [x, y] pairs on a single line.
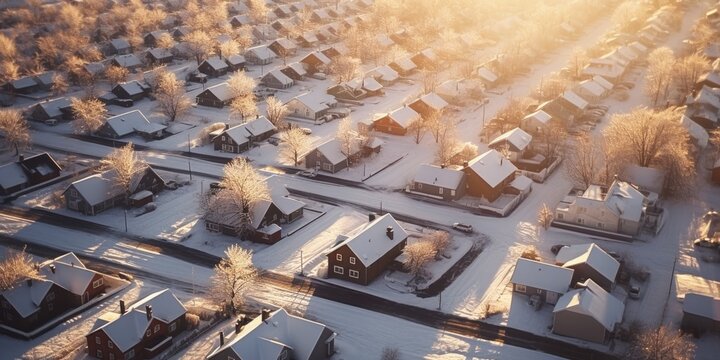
[[213, 226], [111, 356], [440, 191], [98, 354], [338, 257], [327, 167], [97, 340], [419, 186], [452, 192], [51, 307], [97, 283], [50, 296], [560, 216], [338, 270], [157, 328], [352, 260], [354, 274], [110, 344], [223, 138], [520, 288], [73, 193], [148, 332], [581, 221], [173, 326], [130, 354]]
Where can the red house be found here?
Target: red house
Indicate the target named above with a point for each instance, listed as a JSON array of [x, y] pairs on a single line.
[[363, 256], [397, 122], [140, 332], [488, 175]]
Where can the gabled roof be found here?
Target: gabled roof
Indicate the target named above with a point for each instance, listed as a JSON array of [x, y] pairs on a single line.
[[370, 242], [603, 82], [266, 339], [127, 60], [12, 174], [332, 151], [132, 88], [575, 100], [540, 116], [592, 255], [593, 301], [434, 101], [405, 64], [298, 68], [517, 138], [543, 276], [160, 53], [625, 201], [70, 273], [592, 87], [119, 44], [27, 299], [285, 43], [128, 329], [367, 83], [696, 131], [280, 196], [404, 116], [262, 52], [255, 127], [215, 63], [100, 187], [220, 91], [53, 107], [317, 55], [314, 101], [385, 73], [702, 305], [441, 177], [235, 59], [486, 74], [132, 121], [279, 76], [492, 167]]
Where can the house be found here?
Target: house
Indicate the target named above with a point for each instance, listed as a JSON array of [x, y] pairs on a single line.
[[559, 110], [328, 156], [384, 74], [23, 85], [368, 85], [710, 80], [260, 55], [608, 69], [404, 66], [439, 182], [60, 108], [295, 71], [276, 335], [310, 105], [547, 281], [45, 80], [367, 252], [180, 32], [425, 59], [239, 138], [337, 49], [701, 313], [132, 90], [96, 193], [588, 313], [235, 62], [118, 46], [397, 122], [619, 208], [158, 56], [235, 8], [326, 34], [283, 26], [65, 285], [320, 16], [457, 91], [94, 69], [141, 331], [591, 91], [27, 172], [127, 61], [277, 79], [513, 144], [315, 62], [131, 122], [384, 41], [344, 91], [283, 11], [698, 133], [429, 104], [574, 103], [213, 67], [152, 38], [487, 76], [264, 32], [488, 175], [283, 47], [216, 96], [650, 181], [240, 20], [307, 39], [589, 261]]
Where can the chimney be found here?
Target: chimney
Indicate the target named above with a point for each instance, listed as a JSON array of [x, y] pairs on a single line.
[[122, 307], [389, 232], [29, 282], [372, 216], [21, 157], [265, 315], [465, 164], [238, 326], [222, 338], [148, 311], [442, 166], [501, 160], [227, 126], [52, 268]]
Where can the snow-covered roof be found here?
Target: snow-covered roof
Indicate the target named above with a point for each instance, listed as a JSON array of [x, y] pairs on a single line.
[[645, 178], [543, 276], [370, 241], [279, 76], [592, 255], [696, 131], [12, 174], [384, 73], [404, 116], [216, 63], [235, 59], [160, 53], [280, 196], [255, 127], [129, 328], [220, 91], [593, 301], [332, 150], [434, 101], [405, 64], [128, 60], [262, 52], [266, 339], [384, 41], [492, 167], [132, 87], [441, 177], [521, 183], [575, 99], [592, 87], [603, 82], [298, 68], [314, 101], [709, 96], [486, 74], [237, 133], [319, 56], [625, 201], [540, 116], [132, 121], [517, 138], [702, 305], [97, 188], [70, 273], [119, 44], [286, 43], [27, 299], [53, 107]]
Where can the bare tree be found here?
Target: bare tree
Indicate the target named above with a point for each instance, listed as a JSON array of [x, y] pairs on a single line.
[[241, 86], [545, 216], [294, 144], [199, 45], [228, 48], [344, 68], [89, 115], [436, 123], [418, 254], [510, 115], [171, 96], [430, 80], [16, 267], [9, 70], [258, 11], [468, 151], [440, 241], [551, 140], [243, 184], [661, 343], [14, 129], [232, 276], [550, 88], [348, 138], [8, 50], [448, 145], [583, 161], [390, 354], [659, 75], [116, 74], [126, 166], [687, 70], [165, 41], [276, 111], [59, 84]]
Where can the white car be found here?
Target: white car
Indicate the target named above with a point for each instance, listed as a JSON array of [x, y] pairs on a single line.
[[463, 227], [307, 173], [306, 131]]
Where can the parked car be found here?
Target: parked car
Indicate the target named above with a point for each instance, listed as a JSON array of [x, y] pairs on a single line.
[[306, 131], [462, 227], [634, 292], [706, 243], [123, 102], [307, 173], [555, 249]]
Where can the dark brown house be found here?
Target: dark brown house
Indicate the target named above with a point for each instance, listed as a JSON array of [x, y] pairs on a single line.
[[216, 96], [488, 175], [213, 67], [97, 192], [276, 335], [428, 104], [439, 182], [397, 122], [329, 157], [239, 138], [27, 172], [701, 313], [132, 90], [58, 109], [315, 62], [364, 256], [140, 332]]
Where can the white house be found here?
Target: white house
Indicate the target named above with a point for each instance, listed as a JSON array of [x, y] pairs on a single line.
[[310, 105], [548, 281], [515, 142]]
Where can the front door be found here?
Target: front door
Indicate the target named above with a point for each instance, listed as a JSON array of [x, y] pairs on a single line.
[[551, 297]]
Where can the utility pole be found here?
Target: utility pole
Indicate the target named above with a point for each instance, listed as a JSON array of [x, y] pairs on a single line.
[[440, 301], [126, 229], [302, 271], [189, 155]]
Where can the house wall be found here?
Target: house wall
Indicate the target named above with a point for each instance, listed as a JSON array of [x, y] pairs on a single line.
[[98, 340], [546, 296], [366, 274], [388, 126], [231, 145], [207, 99], [315, 159], [568, 323], [584, 271], [476, 186], [107, 131], [715, 177], [434, 190], [698, 324], [297, 108], [208, 70], [57, 301], [590, 213], [148, 340], [322, 350]]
